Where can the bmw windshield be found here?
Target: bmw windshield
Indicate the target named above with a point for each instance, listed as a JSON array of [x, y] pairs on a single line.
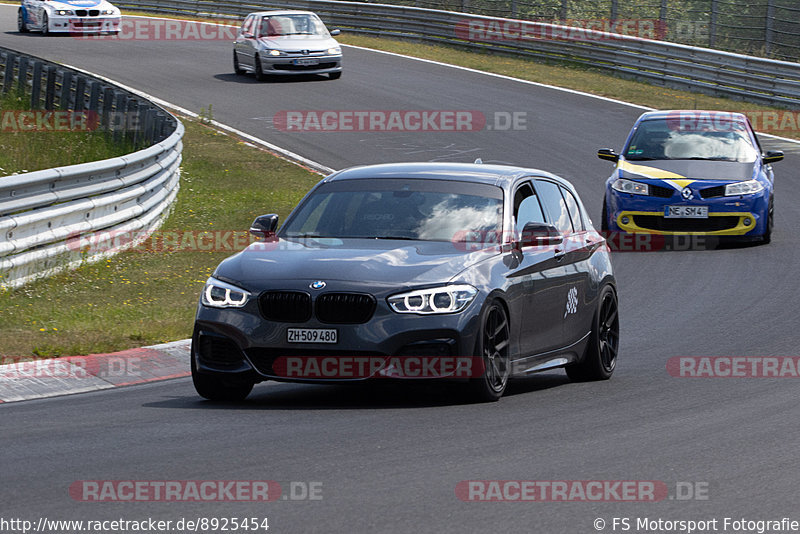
[[411, 209], [670, 139]]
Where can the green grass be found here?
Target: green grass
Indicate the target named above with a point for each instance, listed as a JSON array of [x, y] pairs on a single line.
[[25, 151], [144, 297]]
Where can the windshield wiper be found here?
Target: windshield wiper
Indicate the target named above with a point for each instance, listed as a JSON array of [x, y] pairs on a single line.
[[398, 238], [306, 236], [639, 158], [717, 158]]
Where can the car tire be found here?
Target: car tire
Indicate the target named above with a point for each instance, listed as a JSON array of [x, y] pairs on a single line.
[[22, 26], [236, 67], [335, 75], [45, 25], [216, 389], [492, 347], [604, 218], [600, 358], [259, 70], [770, 223]]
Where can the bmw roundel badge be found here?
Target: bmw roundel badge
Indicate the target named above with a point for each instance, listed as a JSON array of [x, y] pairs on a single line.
[[319, 284]]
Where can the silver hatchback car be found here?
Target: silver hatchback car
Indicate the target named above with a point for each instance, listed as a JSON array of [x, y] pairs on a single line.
[[284, 43]]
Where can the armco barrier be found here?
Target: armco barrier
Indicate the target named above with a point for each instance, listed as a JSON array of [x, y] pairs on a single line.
[[709, 71], [40, 211]]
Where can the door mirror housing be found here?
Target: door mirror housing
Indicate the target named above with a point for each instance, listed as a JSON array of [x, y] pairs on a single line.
[[773, 156], [608, 155], [337, 31], [540, 234], [264, 226]]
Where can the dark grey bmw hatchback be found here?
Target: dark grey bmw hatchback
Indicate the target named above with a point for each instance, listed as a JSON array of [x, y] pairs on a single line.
[[470, 272]]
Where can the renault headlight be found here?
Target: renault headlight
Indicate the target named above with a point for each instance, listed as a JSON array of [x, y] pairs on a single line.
[[444, 299], [629, 186], [750, 187], [218, 294]]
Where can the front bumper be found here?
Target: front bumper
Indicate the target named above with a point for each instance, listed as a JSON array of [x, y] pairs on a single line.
[[289, 65], [78, 25], [240, 344], [727, 216]]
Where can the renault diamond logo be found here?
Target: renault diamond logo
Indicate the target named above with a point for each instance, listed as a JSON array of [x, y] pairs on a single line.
[[686, 193], [319, 284]]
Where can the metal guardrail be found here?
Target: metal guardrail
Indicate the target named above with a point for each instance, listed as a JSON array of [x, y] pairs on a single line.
[[714, 72], [43, 212]]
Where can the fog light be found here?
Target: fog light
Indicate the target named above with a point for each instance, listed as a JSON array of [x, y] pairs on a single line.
[[747, 222], [625, 220]]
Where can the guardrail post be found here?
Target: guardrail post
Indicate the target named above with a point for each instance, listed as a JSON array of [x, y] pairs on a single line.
[[94, 96], [50, 88], [80, 93], [64, 102], [132, 122], [11, 59], [712, 24], [36, 85], [770, 21], [614, 10], [22, 76], [120, 107], [108, 104]]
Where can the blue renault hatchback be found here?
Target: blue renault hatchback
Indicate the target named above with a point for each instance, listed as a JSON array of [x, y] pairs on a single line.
[[686, 172]]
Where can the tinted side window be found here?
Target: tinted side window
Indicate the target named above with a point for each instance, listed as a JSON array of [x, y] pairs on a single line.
[[554, 205], [574, 211], [526, 207]]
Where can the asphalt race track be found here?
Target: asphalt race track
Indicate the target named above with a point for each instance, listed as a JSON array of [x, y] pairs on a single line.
[[389, 458]]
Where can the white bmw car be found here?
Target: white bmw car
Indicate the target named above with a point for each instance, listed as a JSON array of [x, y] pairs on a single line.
[[68, 16]]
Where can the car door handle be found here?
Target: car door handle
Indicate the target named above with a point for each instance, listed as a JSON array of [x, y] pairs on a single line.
[[558, 254]]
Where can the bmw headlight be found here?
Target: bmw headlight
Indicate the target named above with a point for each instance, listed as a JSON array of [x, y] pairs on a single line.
[[334, 50], [64, 12], [107, 12], [628, 186], [218, 294], [444, 299], [750, 187]]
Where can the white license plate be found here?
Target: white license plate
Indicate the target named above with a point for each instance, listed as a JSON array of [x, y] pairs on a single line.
[[312, 335], [306, 62], [686, 212]]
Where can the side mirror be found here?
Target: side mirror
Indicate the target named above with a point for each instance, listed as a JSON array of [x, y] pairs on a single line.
[[540, 234], [772, 156], [264, 226], [608, 155], [337, 31]]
